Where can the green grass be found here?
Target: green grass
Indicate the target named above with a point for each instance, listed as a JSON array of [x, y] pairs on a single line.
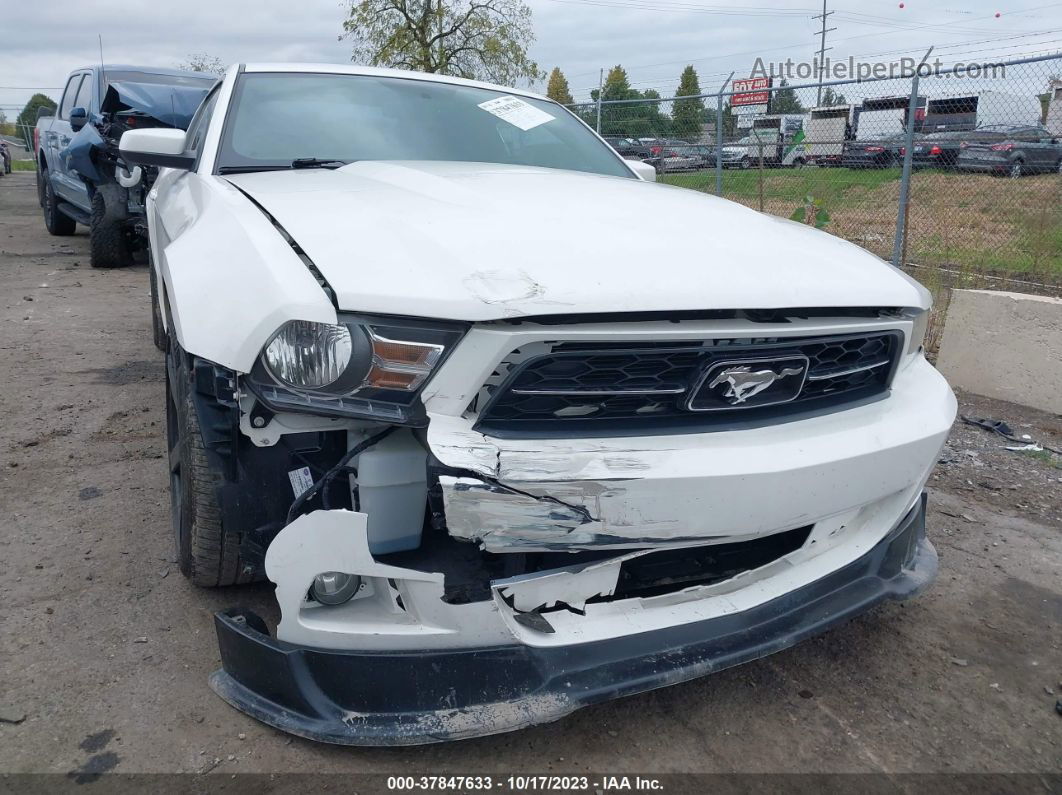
[[828, 184], [23, 165], [977, 223], [1046, 456]]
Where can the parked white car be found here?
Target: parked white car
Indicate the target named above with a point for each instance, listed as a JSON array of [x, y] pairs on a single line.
[[503, 453]]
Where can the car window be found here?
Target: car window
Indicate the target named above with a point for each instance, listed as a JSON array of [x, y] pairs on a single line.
[[84, 94], [69, 95], [275, 118], [201, 122]]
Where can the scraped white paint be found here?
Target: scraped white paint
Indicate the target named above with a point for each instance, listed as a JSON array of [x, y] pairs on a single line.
[[409, 614], [719, 487]]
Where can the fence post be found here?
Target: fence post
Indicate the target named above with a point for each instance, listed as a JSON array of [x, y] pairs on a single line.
[[719, 137], [719, 144], [905, 177]]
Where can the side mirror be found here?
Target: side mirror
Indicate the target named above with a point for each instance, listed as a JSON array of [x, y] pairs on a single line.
[[644, 170], [78, 117], [43, 113], [156, 147]]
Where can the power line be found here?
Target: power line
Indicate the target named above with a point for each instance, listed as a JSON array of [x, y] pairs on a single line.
[[663, 83], [618, 4]]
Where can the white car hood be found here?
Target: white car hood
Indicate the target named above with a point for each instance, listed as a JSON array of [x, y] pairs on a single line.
[[476, 241]]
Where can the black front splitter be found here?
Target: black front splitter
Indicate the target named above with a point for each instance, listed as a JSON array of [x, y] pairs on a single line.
[[409, 698]]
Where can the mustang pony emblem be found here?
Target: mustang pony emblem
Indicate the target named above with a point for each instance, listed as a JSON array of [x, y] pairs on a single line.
[[745, 382]]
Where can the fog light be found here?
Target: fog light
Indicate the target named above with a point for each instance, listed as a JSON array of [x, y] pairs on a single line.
[[334, 587]]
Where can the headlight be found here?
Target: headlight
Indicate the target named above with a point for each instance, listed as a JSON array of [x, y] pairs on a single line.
[[308, 355], [360, 367]]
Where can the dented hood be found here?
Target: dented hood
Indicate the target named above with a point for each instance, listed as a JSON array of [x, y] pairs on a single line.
[[170, 104], [476, 241]]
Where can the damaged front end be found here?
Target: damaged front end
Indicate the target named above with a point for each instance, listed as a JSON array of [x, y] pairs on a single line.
[[465, 545], [93, 153]]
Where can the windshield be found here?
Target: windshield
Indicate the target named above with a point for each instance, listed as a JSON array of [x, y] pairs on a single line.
[[275, 119]]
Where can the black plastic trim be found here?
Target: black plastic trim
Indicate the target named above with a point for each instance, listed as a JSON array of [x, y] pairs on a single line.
[[416, 697]]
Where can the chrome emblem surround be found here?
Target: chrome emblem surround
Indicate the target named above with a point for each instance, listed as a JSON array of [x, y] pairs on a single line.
[[745, 379]]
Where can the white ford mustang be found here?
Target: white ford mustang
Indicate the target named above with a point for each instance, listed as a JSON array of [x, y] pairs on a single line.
[[512, 429]]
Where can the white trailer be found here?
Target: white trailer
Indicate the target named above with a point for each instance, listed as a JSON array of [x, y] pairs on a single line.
[[883, 117], [970, 111], [827, 129], [782, 137], [1054, 108]]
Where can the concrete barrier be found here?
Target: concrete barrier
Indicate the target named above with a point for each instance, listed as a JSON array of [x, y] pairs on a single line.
[[1005, 345]]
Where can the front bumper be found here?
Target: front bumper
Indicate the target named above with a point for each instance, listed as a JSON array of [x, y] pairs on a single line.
[[415, 697]]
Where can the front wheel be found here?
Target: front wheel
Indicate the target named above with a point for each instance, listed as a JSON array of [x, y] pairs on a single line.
[[745, 163], [108, 240], [206, 554]]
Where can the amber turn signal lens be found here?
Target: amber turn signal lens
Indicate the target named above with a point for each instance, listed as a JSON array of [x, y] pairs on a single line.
[[405, 354], [379, 378]]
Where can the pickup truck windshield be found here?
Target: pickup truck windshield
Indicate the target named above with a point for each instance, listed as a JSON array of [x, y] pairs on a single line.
[[275, 119]]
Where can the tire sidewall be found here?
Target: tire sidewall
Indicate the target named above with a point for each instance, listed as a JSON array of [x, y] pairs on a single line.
[[182, 508]]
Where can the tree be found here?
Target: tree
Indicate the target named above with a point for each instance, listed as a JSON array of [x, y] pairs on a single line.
[[557, 88], [785, 100], [28, 117], [631, 119], [688, 114], [729, 121], [477, 39], [617, 86], [831, 97], [203, 62]]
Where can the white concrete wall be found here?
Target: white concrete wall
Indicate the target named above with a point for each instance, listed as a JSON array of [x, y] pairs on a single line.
[[1005, 345]]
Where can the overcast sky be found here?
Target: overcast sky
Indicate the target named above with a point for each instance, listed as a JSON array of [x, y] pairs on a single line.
[[41, 41]]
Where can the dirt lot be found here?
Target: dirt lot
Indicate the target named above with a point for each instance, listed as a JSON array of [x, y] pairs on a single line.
[[106, 649]]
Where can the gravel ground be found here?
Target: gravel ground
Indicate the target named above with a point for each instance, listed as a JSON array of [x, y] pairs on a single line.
[[106, 649]]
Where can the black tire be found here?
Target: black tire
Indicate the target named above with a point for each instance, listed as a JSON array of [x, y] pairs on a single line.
[[108, 240], [1016, 169], [158, 332], [57, 224], [745, 163], [40, 186], [206, 554]]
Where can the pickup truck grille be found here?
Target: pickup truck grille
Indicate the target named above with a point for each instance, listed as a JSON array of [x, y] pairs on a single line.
[[626, 388]]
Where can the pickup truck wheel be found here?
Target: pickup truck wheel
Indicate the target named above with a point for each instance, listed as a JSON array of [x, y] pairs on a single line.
[[206, 554], [57, 224], [108, 242]]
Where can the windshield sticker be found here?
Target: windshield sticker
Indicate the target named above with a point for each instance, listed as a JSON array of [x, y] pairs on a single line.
[[517, 112]]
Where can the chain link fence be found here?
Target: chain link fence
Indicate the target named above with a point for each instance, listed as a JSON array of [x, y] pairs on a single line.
[[954, 175]]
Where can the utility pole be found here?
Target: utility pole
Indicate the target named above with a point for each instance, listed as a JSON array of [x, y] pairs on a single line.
[[822, 47]]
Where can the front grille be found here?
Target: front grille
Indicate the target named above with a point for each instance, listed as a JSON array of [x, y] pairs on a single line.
[[630, 387]]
